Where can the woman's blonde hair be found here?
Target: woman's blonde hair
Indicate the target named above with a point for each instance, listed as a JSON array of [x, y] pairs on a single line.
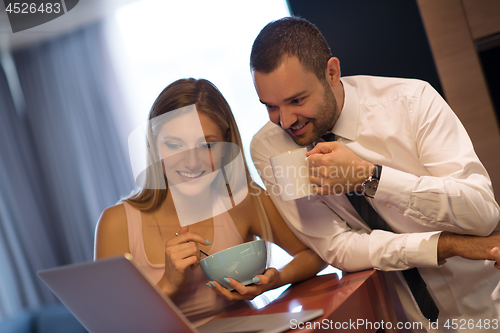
[[209, 100]]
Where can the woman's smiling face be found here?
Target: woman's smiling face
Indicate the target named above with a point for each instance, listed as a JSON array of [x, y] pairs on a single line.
[[191, 149]]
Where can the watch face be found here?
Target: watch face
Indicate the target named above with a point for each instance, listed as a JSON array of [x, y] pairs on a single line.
[[370, 187]]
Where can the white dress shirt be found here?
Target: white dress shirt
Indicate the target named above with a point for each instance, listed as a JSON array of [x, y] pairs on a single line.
[[431, 181]]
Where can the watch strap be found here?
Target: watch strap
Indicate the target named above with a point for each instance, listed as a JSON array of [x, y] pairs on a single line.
[[377, 172]]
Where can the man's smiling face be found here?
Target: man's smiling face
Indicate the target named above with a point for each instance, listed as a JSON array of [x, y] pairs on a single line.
[[297, 100]]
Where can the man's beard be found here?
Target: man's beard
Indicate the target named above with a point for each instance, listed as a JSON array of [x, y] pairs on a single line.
[[326, 116]]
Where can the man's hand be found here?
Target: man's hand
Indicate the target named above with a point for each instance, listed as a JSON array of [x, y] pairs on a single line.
[[470, 247], [334, 169]]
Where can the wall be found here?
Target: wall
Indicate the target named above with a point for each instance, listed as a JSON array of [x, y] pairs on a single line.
[[454, 28], [382, 37]]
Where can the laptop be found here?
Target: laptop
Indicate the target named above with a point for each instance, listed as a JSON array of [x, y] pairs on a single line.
[[114, 295]]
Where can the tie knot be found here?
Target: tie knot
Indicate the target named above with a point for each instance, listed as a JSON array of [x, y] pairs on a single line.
[[328, 137]]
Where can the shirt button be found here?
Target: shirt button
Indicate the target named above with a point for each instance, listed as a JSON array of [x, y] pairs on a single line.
[[388, 205]]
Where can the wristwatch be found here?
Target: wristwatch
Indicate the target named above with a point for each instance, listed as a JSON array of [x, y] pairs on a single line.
[[371, 184]]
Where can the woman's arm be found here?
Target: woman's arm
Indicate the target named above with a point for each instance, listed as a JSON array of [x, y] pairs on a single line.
[[305, 264], [111, 236], [181, 252]]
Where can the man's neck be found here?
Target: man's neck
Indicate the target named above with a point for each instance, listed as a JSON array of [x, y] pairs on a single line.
[[339, 93]]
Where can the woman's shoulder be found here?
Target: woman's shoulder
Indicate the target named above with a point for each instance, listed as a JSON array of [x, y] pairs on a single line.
[[111, 232], [115, 212], [113, 218], [256, 198], [243, 200]]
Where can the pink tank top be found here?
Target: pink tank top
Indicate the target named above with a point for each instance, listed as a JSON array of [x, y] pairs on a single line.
[[197, 301]]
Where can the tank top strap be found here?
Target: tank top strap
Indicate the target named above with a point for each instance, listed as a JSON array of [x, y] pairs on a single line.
[[134, 225], [226, 233]]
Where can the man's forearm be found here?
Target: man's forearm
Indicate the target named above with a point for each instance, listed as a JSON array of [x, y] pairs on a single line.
[[469, 247], [447, 244]]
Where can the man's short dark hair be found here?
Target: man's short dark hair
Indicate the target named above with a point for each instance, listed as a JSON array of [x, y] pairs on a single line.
[[290, 36]]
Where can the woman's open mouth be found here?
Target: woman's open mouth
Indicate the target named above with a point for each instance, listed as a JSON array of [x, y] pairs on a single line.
[[190, 176]]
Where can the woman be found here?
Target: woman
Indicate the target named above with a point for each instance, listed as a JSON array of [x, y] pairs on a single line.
[[191, 140]]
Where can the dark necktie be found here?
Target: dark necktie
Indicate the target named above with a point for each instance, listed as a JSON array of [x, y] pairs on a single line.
[[412, 276]]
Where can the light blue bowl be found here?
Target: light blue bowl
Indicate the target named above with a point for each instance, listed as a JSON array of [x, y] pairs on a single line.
[[241, 262]]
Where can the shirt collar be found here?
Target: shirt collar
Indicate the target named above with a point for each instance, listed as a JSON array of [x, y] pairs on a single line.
[[347, 123]]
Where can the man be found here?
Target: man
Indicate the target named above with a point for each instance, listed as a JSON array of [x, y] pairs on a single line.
[[399, 143]]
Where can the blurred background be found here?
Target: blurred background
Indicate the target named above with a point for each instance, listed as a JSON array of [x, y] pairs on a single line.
[[72, 90]]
